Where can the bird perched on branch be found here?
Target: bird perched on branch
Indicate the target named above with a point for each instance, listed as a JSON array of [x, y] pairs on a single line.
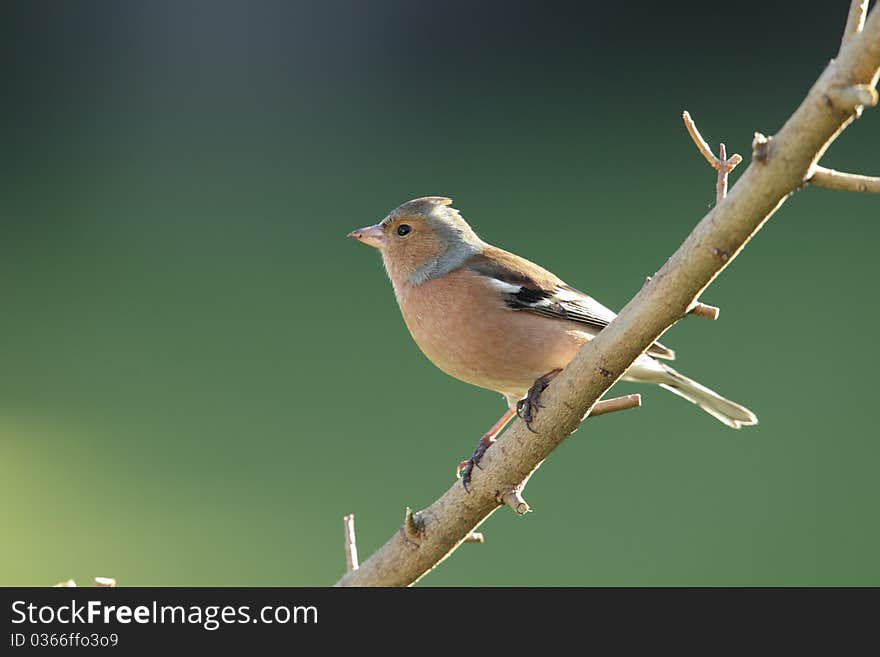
[[499, 321]]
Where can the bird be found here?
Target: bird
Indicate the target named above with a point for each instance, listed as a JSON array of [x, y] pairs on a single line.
[[498, 321]]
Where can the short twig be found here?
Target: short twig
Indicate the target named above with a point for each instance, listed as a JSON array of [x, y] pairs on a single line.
[[514, 499], [705, 311], [615, 404], [722, 164], [702, 146], [855, 20], [848, 182], [351, 549], [721, 184]]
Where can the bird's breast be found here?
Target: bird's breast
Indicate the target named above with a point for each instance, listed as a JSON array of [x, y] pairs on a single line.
[[462, 325]]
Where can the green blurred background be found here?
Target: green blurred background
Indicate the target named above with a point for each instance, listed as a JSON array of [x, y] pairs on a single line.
[[199, 374]]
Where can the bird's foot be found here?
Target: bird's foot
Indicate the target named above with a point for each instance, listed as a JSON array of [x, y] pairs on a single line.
[[466, 468], [527, 407]]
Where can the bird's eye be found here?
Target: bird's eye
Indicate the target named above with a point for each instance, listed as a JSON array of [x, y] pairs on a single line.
[[404, 229]]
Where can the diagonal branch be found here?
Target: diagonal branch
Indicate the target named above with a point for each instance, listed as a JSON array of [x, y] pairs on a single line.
[[780, 166], [513, 498], [698, 309]]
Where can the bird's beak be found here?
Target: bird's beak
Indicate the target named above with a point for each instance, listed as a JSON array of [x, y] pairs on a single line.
[[371, 235]]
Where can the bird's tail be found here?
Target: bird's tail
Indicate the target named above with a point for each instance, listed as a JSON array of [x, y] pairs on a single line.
[[723, 410]]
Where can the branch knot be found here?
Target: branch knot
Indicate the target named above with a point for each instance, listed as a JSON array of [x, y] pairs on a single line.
[[851, 99], [413, 527], [761, 147]]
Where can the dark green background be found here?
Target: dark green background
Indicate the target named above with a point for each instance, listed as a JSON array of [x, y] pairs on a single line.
[[199, 374]]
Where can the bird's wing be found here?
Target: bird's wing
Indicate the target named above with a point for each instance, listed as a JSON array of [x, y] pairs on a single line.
[[525, 286]]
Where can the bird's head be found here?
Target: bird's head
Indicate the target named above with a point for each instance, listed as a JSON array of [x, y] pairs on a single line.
[[422, 239]]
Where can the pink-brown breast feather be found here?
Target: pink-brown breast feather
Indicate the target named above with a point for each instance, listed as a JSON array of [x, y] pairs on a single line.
[[460, 322]]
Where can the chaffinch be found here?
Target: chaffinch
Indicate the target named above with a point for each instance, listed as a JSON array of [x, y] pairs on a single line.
[[499, 321]]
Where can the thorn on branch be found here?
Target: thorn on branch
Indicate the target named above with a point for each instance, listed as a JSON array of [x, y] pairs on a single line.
[[413, 527], [475, 537], [848, 182], [351, 551]]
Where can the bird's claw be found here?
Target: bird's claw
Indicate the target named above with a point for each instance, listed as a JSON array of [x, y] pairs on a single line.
[[527, 407], [466, 468], [526, 411]]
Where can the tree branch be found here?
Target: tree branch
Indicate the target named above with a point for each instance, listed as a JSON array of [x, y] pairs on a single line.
[[513, 498], [851, 99], [351, 550], [780, 166], [723, 165], [848, 182], [698, 309], [724, 172], [616, 404], [855, 21]]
